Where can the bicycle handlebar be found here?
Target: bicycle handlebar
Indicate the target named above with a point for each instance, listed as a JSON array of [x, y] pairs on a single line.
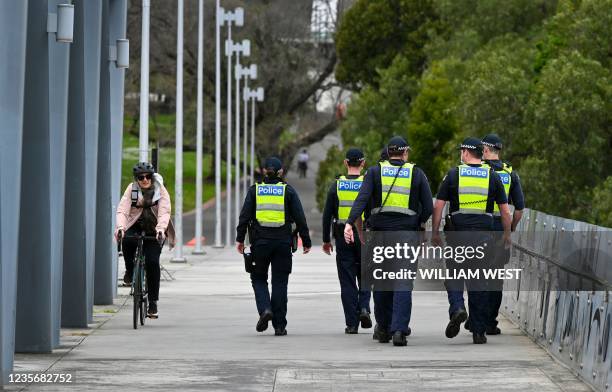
[[120, 239]]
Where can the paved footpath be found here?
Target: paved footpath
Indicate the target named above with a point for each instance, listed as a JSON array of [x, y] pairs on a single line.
[[205, 340]]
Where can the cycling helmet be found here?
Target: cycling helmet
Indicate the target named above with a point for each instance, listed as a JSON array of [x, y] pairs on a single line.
[[143, 168]]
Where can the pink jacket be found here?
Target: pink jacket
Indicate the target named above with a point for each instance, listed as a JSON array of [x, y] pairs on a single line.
[[128, 215]]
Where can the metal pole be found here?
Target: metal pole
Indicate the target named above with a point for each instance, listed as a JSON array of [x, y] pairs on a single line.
[[228, 163], [199, 132], [237, 148], [253, 140], [245, 131], [178, 207], [144, 84], [218, 242]]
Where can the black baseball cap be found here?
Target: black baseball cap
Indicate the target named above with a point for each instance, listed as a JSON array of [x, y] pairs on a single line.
[[492, 140], [471, 143], [397, 144], [273, 163], [354, 155]]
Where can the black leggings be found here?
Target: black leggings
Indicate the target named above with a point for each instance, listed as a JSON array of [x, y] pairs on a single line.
[[152, 250]]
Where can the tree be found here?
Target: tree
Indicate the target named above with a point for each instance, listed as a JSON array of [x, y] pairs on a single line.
[[374, 32], [570, 133]]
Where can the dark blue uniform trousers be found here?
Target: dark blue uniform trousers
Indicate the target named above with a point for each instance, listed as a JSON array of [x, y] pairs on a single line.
[[278, 255], [348, 262], [392, 310], [478, 299]]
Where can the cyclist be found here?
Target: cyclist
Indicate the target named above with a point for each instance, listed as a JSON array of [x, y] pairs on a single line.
[[145, 206]]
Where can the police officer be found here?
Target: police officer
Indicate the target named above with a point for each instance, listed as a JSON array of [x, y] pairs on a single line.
[[340, 199], [270, 208], [472, 189], [492, 146], [409, 194]]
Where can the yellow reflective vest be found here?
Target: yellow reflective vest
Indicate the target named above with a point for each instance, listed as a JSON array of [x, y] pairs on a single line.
[[473, 189], [506, 178], [347, 191], [398, 200], [270, 204]]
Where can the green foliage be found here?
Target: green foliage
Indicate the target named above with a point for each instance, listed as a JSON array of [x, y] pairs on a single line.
[[536, 72], [601, 211], [496, 90], [570, 134], [432, 120], [373, 32], [329, 168]]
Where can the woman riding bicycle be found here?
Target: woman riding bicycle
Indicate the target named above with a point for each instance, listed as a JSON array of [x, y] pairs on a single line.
[[145, 206]]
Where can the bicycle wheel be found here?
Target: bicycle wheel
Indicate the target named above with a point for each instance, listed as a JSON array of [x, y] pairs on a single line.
[[137, 289], [143, 296]]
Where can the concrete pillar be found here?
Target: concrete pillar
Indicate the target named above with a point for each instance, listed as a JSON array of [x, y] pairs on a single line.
[[82, 165], [13, 28], [109, 145], [41, 228]]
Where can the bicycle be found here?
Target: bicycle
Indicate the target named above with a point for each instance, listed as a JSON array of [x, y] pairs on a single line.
[[138, 289]]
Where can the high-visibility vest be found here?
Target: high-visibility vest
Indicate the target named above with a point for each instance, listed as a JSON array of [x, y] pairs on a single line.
[[473, 189], [270, 204], [347, 190], [399, 197], [506, 178]]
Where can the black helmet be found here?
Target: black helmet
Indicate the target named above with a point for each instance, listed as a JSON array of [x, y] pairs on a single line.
[[143, 168]]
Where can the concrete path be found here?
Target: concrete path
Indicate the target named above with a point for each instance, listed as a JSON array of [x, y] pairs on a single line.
[[205, 339]]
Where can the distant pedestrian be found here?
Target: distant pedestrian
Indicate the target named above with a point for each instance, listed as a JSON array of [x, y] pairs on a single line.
[[303, 163]]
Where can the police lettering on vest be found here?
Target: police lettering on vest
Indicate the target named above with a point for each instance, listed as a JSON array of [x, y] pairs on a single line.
[[474, 172], [391, 171], [351, 186], [270, 190]]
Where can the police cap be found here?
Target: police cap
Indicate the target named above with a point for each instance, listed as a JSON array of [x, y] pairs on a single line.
[[492, 140], [355, 155], [397, 144], [273, 163]]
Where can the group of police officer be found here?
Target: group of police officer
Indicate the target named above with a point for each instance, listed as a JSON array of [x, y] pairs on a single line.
[[393, 195]]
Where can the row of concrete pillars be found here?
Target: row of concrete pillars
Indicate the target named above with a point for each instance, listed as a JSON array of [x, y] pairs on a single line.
[[61, 120]]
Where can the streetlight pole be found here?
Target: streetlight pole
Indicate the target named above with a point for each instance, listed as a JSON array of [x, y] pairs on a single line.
[[143, 144], [237, 18], [243, 48], [253, 95], [199, 132], [178, 202], [251, 73]]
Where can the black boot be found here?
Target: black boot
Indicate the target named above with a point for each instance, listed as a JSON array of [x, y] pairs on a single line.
[[479, 338], [264, 318], [280, 332], [364, 318], [452, 329], [399, 338], [383, 336], [350, 330]]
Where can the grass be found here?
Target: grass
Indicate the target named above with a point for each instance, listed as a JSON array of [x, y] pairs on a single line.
[[167, 170]]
